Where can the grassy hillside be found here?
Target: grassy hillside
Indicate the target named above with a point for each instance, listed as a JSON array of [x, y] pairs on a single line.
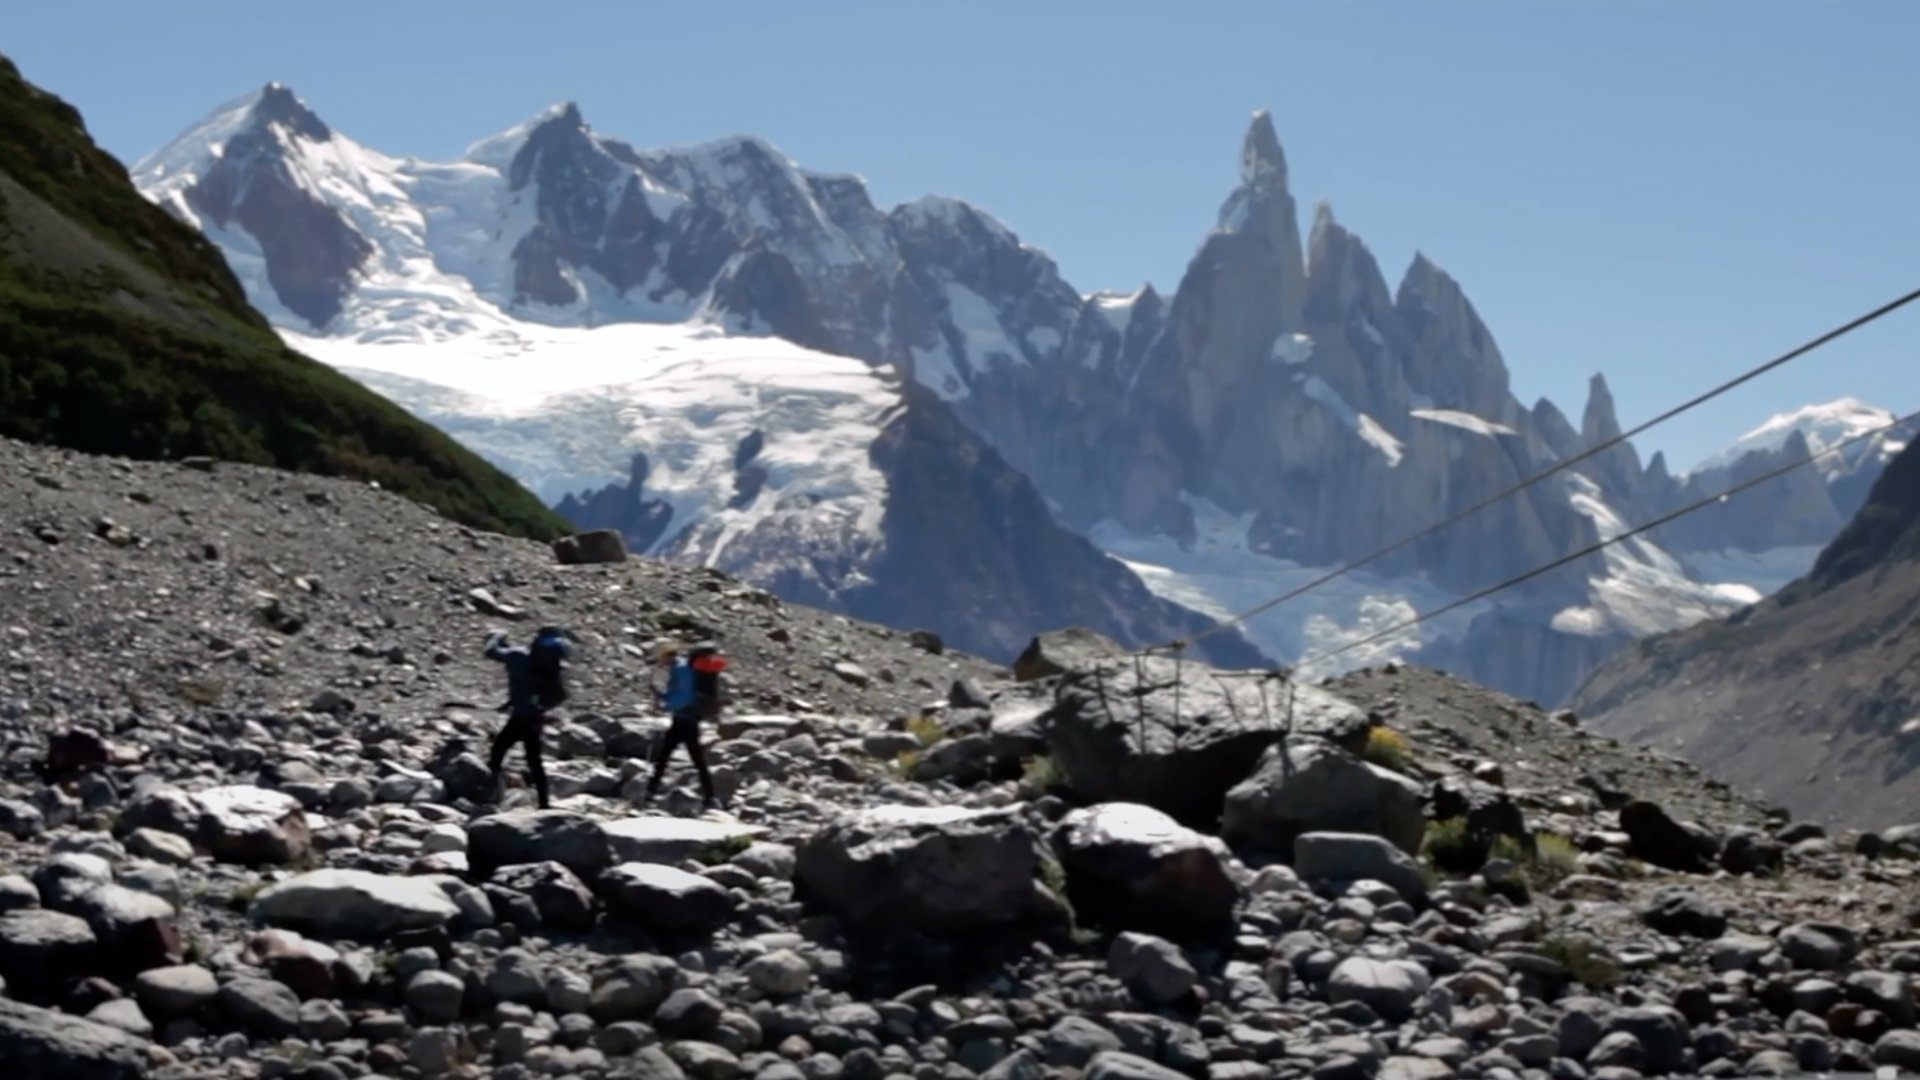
[[123, 331]]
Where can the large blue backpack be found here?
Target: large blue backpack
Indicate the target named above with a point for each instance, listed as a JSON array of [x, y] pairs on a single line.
[[549, 653]]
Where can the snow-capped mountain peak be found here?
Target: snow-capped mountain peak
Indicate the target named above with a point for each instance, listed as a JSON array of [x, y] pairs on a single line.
[[273, 113], [1824, 426], [497, 151]]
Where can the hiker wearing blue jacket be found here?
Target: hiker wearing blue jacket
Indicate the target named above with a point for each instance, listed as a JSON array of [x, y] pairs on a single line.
[[534, 686], [692, 694]]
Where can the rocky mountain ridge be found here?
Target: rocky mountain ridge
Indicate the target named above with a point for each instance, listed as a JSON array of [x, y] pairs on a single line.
[[1282, 386], [248, 836], [1809, 695], [812, 492]]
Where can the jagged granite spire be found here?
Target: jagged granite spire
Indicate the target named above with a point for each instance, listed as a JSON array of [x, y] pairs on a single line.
[[1262, 162], [1600, 422], [1456, 363]]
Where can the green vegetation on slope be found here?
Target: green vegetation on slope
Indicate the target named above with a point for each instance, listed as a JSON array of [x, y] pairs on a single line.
[[123, 331]]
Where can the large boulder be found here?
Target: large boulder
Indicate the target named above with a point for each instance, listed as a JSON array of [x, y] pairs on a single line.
[[598, 546], [666, 899], [562, 899], [239, 823], [1654, 837], [1306, 784], [41, 950], [1131, 867], [1335, 857], [1058, 652], [1018, 728], [354, 904], [965, 760], [160, 808], [1390, 988], [531, 836], [936, 870], [659, 838], [40, 1042], [1487, 814], [170, 992], [1178, 736], [136, 930], [252, 826]]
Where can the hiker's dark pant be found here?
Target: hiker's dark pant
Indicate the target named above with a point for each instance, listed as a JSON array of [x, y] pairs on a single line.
[[685, 729], [523, 728]]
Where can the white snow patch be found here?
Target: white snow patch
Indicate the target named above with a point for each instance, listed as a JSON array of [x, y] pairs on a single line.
[[1381, 439], [1357, 422], [564, 410], [1293, 348], [1221, 576], [1043, 339], [1117, 309], [983, 338], [1645, 590], [934, 368], [1464, 421]]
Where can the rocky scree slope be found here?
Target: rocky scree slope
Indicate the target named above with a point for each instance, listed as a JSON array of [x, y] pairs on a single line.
[[1284, 385], [1810, 696], [124, 331], [257, 696]]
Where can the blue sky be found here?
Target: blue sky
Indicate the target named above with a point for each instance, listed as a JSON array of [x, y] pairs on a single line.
[[1664, 192]]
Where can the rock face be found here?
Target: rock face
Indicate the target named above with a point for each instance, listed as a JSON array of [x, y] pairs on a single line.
[[1305, 784], [1177, 737], [1131, 867], [1813, 684], [934, 869]]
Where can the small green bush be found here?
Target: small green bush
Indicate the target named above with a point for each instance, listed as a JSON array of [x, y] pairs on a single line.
[[1451, 848], [1555, 855], [925, 728], [721, 851], [1388, 749], [1584, 958], [1041, 775]]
